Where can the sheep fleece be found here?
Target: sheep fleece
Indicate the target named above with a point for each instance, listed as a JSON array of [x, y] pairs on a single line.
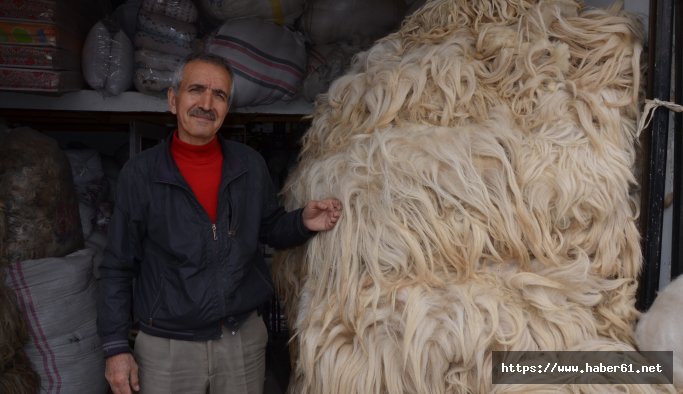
[[484, 156]]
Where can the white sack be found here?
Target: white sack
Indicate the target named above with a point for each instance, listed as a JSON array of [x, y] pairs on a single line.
[[659, 329], [107, 58]]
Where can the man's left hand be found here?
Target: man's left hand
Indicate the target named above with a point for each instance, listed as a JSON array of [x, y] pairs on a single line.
[[322, 215]]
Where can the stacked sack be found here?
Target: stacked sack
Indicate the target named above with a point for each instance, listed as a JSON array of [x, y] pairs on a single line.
[[282, 12], [329, 21], [165, 34], [94, 204], [337, 30], [38, 218], [58, 296], [40, 43], [108, 58], [268, 60], [48, 274], [326, 62]]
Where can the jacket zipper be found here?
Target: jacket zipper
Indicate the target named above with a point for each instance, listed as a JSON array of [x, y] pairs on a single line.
[[215, 235]]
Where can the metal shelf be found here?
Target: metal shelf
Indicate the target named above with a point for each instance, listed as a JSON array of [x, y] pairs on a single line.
[[92, 101]]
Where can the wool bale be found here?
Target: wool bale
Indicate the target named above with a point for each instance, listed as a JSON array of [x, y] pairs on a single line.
[[268, 60], [40, 210], [484, 155], [327, 63]]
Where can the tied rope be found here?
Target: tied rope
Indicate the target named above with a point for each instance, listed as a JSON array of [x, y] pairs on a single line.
[[649, 110]]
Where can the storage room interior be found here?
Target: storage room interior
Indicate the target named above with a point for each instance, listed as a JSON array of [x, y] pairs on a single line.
[[91, 77]]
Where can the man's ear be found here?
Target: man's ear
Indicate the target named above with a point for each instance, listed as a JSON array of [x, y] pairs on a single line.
[[170, 96]]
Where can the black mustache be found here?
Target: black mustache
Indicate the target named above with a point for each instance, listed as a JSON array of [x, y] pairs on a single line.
[[202, 113]]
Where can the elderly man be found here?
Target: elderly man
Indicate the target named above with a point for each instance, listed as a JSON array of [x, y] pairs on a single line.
[[183, 251]]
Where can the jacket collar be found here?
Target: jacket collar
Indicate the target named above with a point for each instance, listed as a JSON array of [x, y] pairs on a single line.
[[167, 170]]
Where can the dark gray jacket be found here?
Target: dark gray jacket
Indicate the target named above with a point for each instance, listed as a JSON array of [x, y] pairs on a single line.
[[182, 276]]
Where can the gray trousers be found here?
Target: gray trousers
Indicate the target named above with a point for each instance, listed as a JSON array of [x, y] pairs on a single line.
[[233, 364]]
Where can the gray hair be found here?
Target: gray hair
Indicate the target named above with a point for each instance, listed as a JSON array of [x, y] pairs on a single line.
[[207, 58]]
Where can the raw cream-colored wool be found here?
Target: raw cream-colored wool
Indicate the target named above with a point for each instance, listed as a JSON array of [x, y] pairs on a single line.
[[483, 154]]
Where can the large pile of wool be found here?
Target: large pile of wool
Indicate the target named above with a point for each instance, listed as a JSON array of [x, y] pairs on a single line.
[[483, 154]]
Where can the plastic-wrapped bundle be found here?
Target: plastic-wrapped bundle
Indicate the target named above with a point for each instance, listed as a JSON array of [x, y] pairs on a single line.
[[268, 60], [163, 38], [329, 21], [167, 27], [282, 12], [40, 204], [107, 59], [154, 73], [157, 60], [152, 81], [180, 10], [91, 187], [325, 64]]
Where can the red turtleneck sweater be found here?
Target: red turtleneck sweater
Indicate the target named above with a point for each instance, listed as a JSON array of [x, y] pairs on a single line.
[[201, 166]]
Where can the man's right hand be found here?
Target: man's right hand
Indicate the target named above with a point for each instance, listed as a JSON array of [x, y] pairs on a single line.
[[122, 374]]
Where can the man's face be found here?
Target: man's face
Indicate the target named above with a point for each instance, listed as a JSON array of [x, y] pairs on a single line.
[[201, 102]]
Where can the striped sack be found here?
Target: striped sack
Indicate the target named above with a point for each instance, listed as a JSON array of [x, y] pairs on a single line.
[[268, 60], [57, 296]]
